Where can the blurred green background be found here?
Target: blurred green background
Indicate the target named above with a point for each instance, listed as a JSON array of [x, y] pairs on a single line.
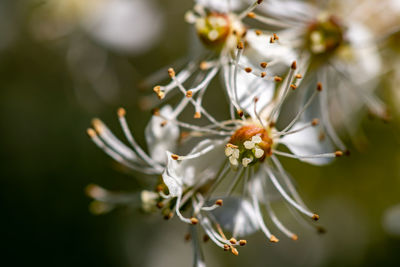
[[47, 160]]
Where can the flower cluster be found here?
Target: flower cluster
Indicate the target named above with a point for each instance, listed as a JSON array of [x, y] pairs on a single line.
[[310, 71]]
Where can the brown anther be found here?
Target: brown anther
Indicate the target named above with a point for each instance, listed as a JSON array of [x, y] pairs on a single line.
[[163, 123], [276, 36], [174, 157], [271, 124], [157, 89], [258, 32], [319, 86], [293, 86], [233, 241], [242, 242], [251, 15], [197, 115], [315, 217], [203, 65], [263, 65], [91, 132], [315, 122], [188, 236], [171, 72], [273, 239], [294, 65], [155, 112], [240, 113], [160, 205], [121, 112], [168, 216], [234, 251], [226, 247], [271, 40], [263, 74], [248, 69], [259, 1], [255, 99], [159, 188], [189, 94], [205, 238], [194, 220], [240, 45], [298, 76], [277, 79], [295, 237], [338, 153], [219, 202]]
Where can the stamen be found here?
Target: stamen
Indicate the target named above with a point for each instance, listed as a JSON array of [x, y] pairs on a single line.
[[249, 9]]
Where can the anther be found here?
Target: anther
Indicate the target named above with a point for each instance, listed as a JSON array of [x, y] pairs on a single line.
[[121, 112], [155, 112], [347, 152], [248, 69], [174, 157], [171, 72], [271, 40], [160, 205], [338, 153], [189, 94], [234, 251], [194, 221], [315, 122], [259, 1], [298, 76], [273, 239], [233, 241], [293, 86], [255, 99], [295, 237], [276, 36], [294, 65], [163, 123], [251, 15], [263, 65], [315, 217], [231, 145], [168, 216], [219, 202], [197, 115], [319, 86], [240, 113], [226, 247], [258, 32], [242, 242], [240, 45], [263, 74], [206, 238], [91, 132], [203, 65], [159, 188], [277, 79]]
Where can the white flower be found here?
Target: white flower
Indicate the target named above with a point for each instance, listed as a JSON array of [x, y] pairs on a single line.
[[224, 183], [241, 55], [339, 50]]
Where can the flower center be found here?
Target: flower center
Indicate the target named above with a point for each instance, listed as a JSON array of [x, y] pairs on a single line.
[[324, 36], [217, 29], [248, 145]]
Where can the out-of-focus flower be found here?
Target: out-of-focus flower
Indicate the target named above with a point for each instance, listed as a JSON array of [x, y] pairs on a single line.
[[333, 40], [391, 220], [131, 26], [222, 31]]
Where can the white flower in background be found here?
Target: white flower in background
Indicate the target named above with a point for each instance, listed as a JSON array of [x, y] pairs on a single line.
[[225, 182], [224, 35], [338, 49], [131, 26], [391, 220]]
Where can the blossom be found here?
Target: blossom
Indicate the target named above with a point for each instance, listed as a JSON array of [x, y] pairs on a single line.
[[339, 49], [224, 37], [225, 182]]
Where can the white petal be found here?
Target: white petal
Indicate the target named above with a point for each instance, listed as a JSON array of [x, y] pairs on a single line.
[[391, 220], [307, 142], [161, 138], [221, 5], [236, 216]]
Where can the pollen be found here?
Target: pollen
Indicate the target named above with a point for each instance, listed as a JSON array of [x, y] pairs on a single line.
[[263, 65], [194, 221], [219, 202], [242, 242], [315, 217], [273, 239], [233, 241]]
